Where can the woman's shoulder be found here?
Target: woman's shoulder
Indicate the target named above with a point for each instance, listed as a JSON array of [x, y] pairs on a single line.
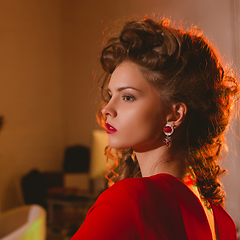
[[132, 197], [134, 204], [161, 180], [131, 188]]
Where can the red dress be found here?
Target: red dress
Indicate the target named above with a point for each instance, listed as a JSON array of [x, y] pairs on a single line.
[[157, 207]]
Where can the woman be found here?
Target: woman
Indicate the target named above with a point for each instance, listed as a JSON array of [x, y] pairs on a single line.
[[166, 105]]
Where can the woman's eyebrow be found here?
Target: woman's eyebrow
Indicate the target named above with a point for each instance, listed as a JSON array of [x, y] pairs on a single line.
[[125, 87]]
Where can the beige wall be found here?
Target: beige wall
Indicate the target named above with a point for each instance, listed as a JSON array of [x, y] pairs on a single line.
[[83, 23], [48, 51], [30, 91]]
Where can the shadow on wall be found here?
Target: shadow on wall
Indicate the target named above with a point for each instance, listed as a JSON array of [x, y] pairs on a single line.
[[1, 122]]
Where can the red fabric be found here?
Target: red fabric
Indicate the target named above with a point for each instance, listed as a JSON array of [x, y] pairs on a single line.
[[156, 207]]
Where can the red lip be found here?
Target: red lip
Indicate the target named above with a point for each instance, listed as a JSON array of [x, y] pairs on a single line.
[[110, 128]]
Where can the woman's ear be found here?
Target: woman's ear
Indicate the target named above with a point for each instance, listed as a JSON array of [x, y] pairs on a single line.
[[179, 111]]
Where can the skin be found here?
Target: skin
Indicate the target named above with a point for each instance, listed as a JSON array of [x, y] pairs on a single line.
[[136, 111]]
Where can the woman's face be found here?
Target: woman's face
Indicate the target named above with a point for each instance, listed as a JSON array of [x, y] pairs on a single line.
[[135, 115]]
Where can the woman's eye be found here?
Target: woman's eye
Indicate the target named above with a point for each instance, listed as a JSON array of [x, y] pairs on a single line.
[[106, 95], [128, 98], [109, 96]]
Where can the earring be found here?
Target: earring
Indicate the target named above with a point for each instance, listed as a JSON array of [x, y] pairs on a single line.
[[168, 131]]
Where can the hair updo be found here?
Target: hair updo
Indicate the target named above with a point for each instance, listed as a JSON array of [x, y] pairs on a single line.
[[185, 68]]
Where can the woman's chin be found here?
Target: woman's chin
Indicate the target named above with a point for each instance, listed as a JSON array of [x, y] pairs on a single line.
[[117, 145]]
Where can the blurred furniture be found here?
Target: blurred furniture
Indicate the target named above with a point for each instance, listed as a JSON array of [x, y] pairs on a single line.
[[76, 159], [34, 188], [67, 210], [67, 195], [67, 206], [27, 222]]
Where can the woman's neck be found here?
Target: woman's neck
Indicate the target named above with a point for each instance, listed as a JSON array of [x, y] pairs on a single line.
[[160, 160]]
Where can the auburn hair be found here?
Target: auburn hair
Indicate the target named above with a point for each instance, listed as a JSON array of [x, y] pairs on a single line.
[[185, 68]]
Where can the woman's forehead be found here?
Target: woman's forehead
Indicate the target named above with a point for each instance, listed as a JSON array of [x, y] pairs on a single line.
[[128, 74]]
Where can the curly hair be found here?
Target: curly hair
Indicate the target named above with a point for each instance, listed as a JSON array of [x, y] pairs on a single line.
[[185, 68]]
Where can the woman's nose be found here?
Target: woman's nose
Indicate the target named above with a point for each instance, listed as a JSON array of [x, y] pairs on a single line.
[[109, 110]]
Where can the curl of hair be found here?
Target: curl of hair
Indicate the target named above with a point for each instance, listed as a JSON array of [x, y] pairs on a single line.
[[185, 68]]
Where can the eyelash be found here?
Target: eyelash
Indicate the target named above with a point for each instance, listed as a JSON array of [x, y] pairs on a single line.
[[109, 96], [124, 97], [132, 98]]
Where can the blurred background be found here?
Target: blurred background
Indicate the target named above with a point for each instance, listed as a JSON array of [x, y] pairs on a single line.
[[48, 68]]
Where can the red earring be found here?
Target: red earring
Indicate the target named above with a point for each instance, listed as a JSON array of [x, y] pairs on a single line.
[[168, 131]]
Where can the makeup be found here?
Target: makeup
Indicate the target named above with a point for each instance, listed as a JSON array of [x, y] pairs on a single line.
[[110, 129]]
